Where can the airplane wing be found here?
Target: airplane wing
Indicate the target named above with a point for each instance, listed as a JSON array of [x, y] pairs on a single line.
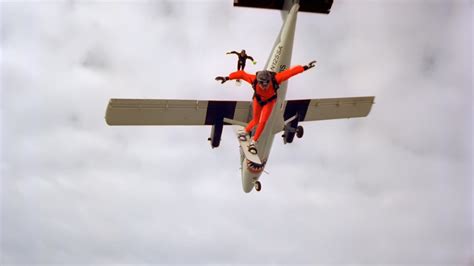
[[331, 108], [137, 112]]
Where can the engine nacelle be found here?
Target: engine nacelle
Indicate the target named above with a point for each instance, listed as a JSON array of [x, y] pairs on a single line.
[[216, 133]]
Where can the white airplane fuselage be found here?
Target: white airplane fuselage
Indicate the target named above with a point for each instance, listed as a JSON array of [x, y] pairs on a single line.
[[279, 60]]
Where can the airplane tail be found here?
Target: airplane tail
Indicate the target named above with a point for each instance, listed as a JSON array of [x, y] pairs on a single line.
[[312, 6]]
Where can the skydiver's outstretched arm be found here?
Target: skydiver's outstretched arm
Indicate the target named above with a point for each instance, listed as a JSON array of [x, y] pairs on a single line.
[[251, 58], [284, 75], [233, 52]]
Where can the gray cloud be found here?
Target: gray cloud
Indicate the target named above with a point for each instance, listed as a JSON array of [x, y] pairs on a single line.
[[392, 188]]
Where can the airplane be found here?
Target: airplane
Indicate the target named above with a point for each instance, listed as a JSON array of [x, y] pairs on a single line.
[[285, 117]]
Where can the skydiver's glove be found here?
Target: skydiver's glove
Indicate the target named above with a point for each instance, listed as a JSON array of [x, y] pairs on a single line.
[[254, 62], [310, 65], [222, 79], [228, 53]]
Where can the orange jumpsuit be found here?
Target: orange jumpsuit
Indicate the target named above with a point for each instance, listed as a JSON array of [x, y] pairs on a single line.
[[262, 113]]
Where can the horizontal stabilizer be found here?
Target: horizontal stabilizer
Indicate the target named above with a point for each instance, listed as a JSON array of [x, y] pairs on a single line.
[[140, 112], [313, 6], [332, 108]]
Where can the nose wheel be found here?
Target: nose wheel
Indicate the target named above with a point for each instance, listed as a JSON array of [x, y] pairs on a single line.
[[257, 185]]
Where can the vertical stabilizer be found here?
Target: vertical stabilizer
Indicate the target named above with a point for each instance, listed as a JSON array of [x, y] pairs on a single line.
[[286, 8], [280, 57]]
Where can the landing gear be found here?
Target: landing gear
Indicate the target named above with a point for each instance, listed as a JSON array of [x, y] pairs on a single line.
[[299, 132], [258, 185], [290, 132], [291, 128]]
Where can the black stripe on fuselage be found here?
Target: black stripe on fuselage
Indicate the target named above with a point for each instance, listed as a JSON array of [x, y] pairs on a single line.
[[218, 110], [296, 106]]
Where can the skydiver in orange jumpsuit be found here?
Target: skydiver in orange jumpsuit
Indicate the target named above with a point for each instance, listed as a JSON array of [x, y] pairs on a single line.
[[265, 84]]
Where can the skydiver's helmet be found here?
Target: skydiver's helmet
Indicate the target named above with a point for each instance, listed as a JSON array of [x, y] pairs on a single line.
[[242, 52], [264, 78]]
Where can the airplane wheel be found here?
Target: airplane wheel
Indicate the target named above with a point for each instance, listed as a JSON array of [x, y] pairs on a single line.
[[258, 186], [299, 132]]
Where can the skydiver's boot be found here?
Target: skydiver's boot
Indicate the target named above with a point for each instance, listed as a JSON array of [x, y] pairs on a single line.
[[253, 147], [243, 135]]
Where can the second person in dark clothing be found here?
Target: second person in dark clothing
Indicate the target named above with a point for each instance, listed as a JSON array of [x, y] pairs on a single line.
[[242, 59]]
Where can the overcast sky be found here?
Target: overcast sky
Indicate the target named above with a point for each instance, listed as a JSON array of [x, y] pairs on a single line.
[[392, 188]]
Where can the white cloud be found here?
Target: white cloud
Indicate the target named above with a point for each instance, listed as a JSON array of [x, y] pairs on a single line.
[[392, 188]]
